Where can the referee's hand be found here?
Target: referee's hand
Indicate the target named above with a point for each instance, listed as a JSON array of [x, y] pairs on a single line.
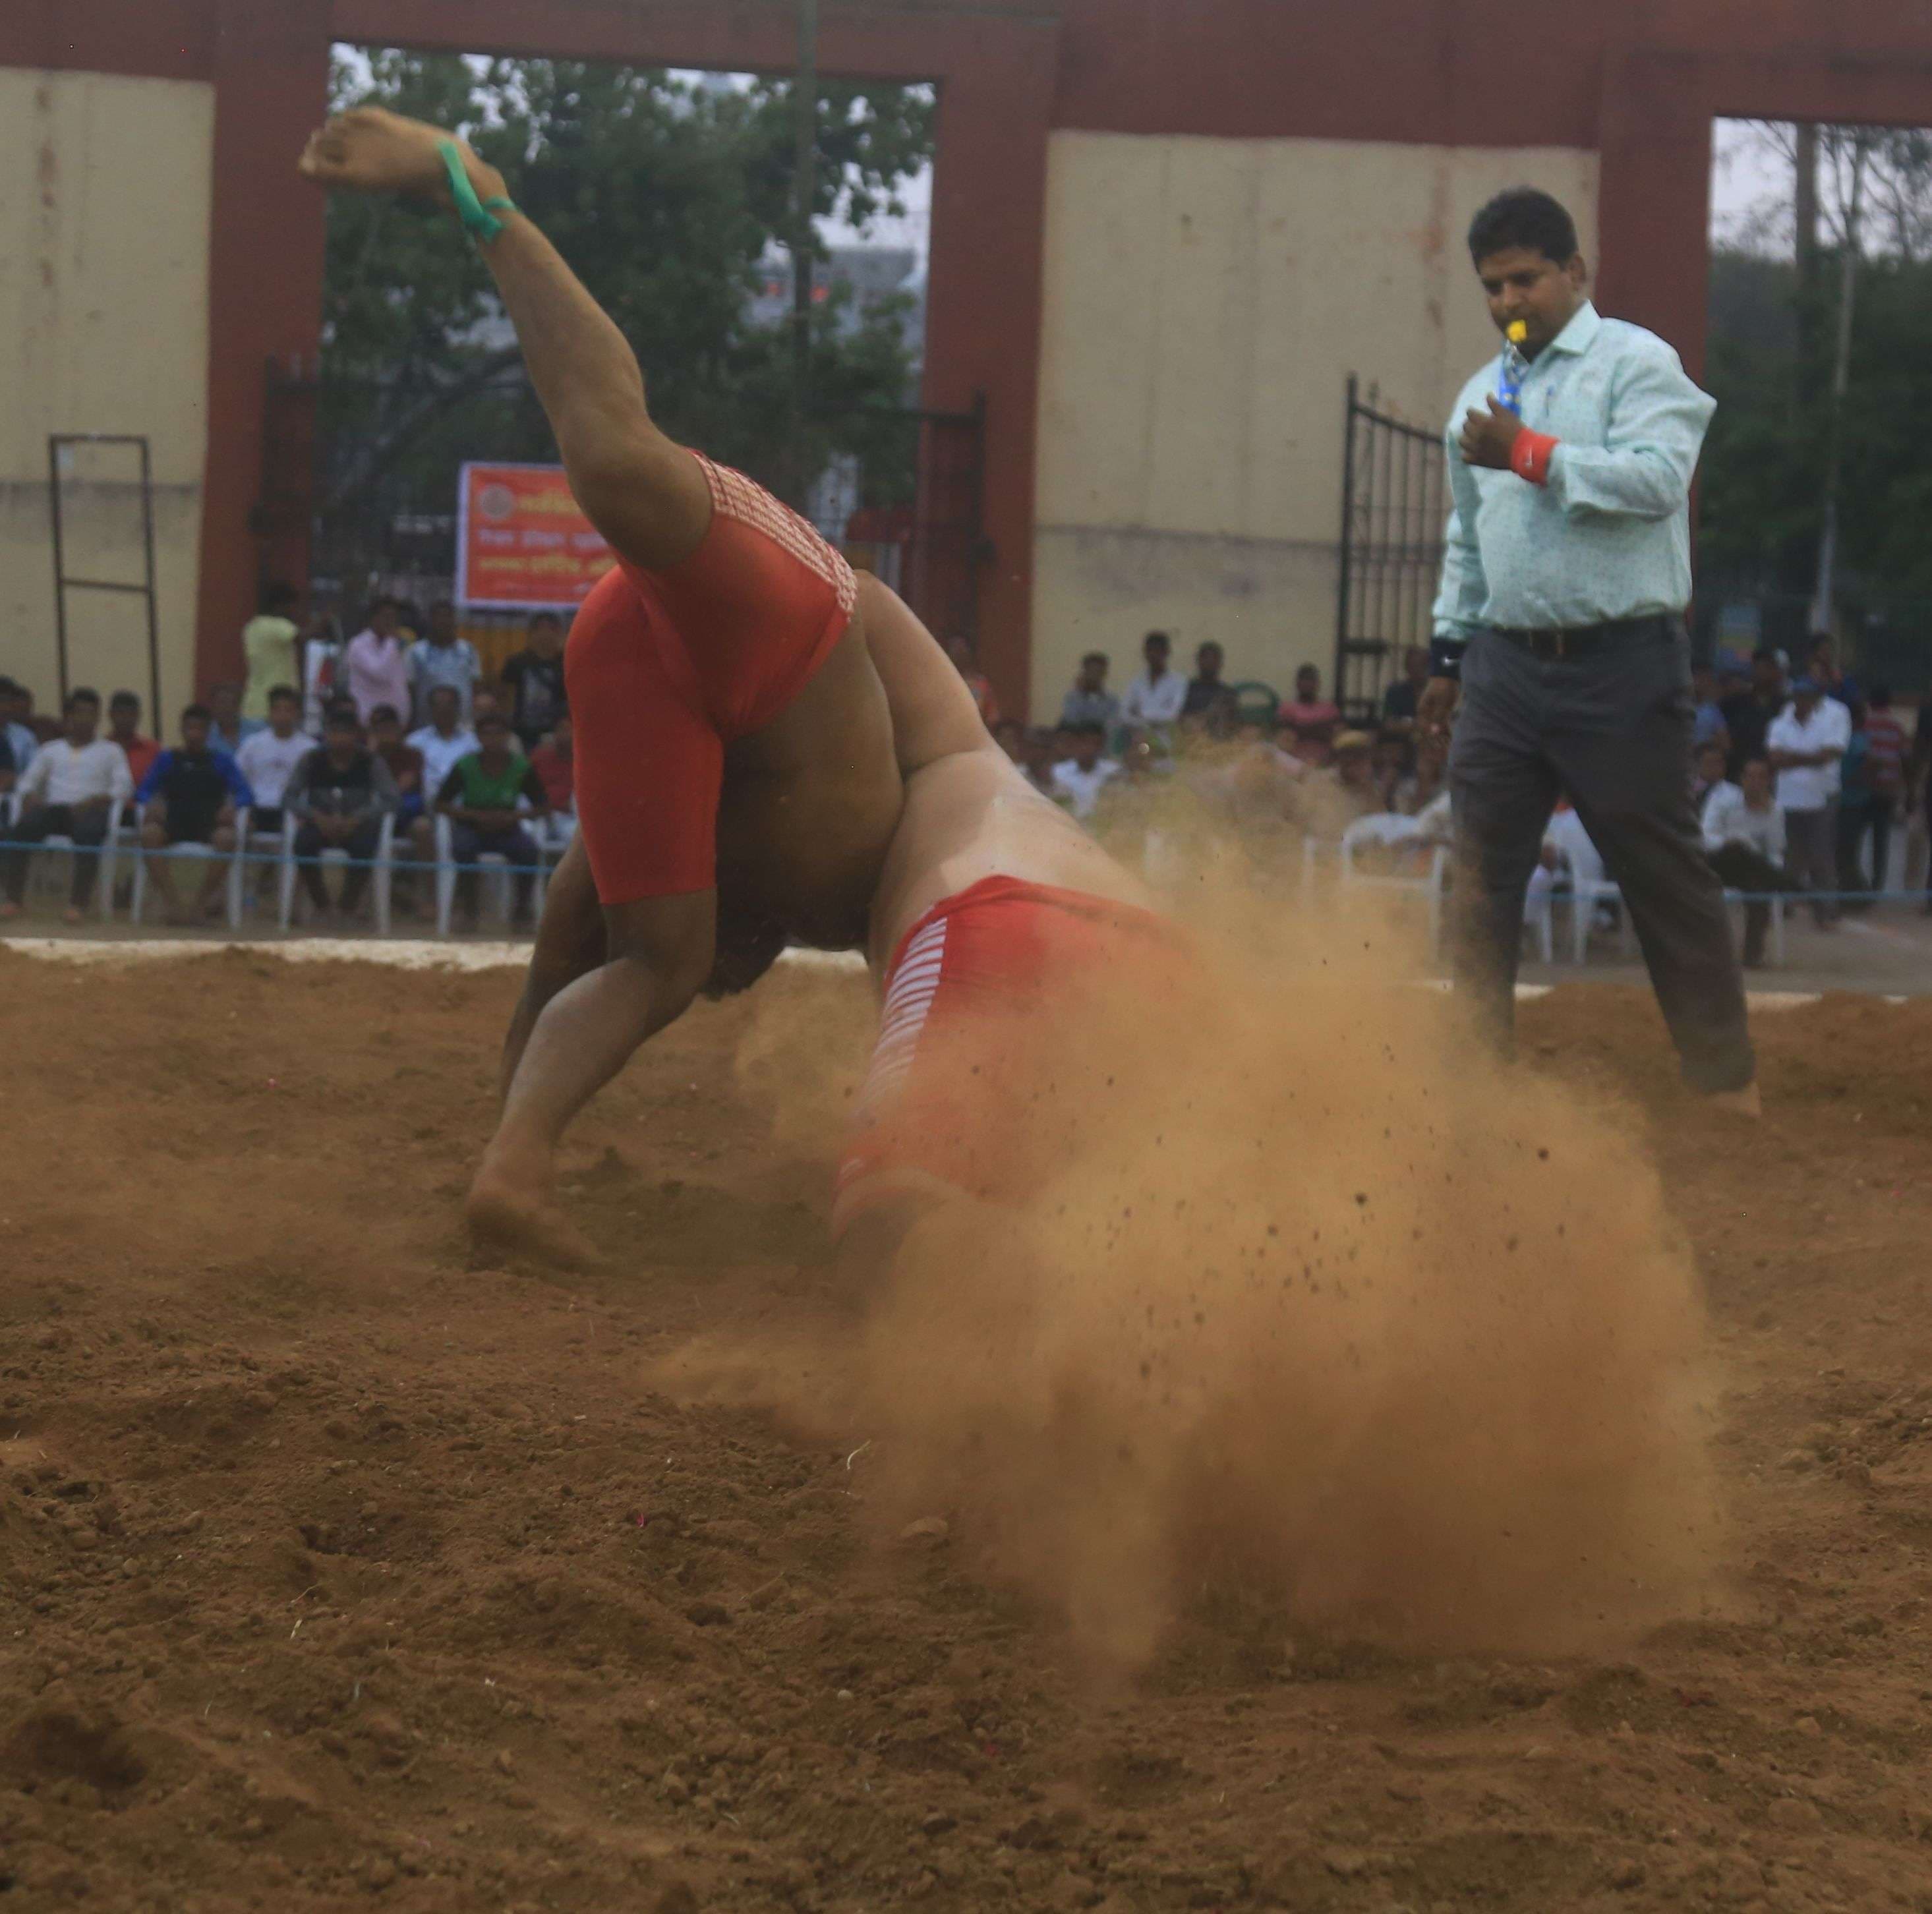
[[1437, 706]]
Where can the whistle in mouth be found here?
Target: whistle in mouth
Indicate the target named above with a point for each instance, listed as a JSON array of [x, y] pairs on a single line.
[[1518, 331]]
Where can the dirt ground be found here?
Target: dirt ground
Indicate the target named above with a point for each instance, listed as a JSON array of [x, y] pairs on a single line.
[[335, 1571]]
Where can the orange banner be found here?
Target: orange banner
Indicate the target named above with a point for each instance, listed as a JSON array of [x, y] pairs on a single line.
[[522, 541]]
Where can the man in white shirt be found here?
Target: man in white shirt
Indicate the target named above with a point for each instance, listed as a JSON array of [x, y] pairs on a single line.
[[72, 789], [268, 757], [442, 740], [1805, 743], [1078, 781], [1745, 839], [1154, 699]]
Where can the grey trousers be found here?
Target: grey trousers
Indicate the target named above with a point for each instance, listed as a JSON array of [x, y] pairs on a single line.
[[1811, 856], [1612, 731]]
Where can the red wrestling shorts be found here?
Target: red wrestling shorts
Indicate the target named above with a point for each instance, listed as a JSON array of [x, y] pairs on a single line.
[[967, 1092], [664, 669]]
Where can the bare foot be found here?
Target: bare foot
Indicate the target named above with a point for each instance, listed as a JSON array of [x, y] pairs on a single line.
[[1747, 1102], [506, 1212], [369, 149]]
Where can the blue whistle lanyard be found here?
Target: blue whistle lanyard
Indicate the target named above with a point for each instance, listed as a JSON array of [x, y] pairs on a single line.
[[1509, 387]]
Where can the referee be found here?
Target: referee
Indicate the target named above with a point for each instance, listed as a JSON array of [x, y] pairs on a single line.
[[1564, 586]]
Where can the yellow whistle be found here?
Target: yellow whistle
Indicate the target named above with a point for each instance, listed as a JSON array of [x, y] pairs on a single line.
[[1519, 331]]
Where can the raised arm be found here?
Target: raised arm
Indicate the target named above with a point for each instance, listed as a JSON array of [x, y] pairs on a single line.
[[648, 497]]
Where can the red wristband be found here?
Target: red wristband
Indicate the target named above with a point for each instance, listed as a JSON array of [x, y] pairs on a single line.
[[1529, 456]]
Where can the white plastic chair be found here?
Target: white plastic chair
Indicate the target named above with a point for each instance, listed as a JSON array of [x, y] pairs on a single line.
[[381, 879], [251, 842], [195, 852], [495, 868], [1387, 829], [107, 855]]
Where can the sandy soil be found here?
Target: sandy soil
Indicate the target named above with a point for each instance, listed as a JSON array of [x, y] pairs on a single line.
[[335, 1572]]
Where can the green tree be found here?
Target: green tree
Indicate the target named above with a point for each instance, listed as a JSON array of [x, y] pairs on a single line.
[[664, 195]]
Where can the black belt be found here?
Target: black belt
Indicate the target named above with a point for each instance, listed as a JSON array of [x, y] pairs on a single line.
[[1567, 641]]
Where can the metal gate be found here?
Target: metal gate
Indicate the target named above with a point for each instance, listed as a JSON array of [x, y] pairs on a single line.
[[1395, 504]]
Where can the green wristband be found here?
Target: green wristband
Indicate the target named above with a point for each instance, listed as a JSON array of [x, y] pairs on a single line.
[[476, 214]]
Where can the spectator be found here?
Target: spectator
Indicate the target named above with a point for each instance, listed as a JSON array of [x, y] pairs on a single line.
[[41, 727], [1389, 759], [375, 668], [1308, 717], [228, 730], [1804, 741], [404, 761], [1821, 667], [535, 678], [1353, 774], [480, 797], [191, 794], [1207, 696], [22, 739], [959, 648], [6, 765], [1090, 702], [70, 788], [271, 644], [269, 759], [440, 658], [1078, 782], [1744, 839], [554, 762], [1885, 753], [124, 728], [1403, 699], [1156, 695], [1747, 715], [1707, 722], [339, 794], [1707, 772], [1036, 760], [1426, 784], [1855, 808], [442, 740], [322, 676]]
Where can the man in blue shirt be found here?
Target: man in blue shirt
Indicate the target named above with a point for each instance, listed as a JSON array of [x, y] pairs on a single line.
[[1566, 575], [191, 795]]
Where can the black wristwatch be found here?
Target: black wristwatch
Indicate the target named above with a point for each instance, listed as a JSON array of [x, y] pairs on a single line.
[[1445, 659]]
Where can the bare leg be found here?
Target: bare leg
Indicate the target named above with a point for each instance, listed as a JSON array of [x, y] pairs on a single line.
[[570, 944], [646, 495], [222, 843], [661, 953], [161, 869]]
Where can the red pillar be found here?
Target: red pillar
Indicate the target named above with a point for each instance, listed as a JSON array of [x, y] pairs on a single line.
[[270, 67]]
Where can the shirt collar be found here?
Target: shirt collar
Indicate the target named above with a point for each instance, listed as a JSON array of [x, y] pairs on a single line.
[[1585, 323]]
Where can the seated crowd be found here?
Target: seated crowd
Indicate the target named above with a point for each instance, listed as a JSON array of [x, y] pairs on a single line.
[[485, 779], [1793, 777], [409, 754]]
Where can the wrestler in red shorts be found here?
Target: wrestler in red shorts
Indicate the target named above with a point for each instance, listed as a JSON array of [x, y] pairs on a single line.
[[767, 749]]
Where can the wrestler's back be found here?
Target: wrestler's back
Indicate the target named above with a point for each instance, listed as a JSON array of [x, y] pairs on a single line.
[[811, 803], [968, 814]]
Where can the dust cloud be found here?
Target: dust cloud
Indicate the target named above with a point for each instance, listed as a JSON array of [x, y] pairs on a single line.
[[1302, 1292]]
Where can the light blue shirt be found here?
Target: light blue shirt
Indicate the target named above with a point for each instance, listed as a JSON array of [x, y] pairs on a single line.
[[455, 665], [1608, 536], [23, 745]]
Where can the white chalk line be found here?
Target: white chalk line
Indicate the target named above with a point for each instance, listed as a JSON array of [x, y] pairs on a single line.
[[426, 954], [399, 953]]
